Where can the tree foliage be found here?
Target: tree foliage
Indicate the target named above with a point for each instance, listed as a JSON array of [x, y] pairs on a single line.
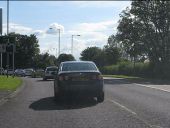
[[94, 54], [27, 48], [106, 56], [145, 30], [44, 60], [112, 54], [65, 57]]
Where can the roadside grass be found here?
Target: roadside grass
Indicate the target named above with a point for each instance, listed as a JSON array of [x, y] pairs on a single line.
[[140, 79], [122, 76], [9, 83], [129, 78]]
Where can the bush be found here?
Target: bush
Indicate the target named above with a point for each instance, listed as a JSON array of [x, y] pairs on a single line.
[[113, 69], [127, 68]]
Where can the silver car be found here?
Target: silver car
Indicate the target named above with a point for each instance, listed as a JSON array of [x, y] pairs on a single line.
[[28, 72], [19, 72], [49, 72]]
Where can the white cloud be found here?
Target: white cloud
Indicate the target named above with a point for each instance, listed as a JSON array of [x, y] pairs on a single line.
[[40, 33], [53, 28], [95, 33], [17, 28], [92, 34], [96, 27]]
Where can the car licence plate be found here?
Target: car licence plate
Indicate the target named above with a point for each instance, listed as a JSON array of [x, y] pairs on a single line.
[[80, 79]]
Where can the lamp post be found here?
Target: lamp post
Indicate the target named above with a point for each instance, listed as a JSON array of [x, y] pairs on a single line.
[[7, 35], [72, 43], [1, 33], [58, 40]]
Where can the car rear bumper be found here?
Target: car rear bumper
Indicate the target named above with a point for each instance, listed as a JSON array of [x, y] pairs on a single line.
[[49, 77], [91, 88]]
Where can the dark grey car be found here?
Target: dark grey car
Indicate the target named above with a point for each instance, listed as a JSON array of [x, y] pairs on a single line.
[[78, 77]]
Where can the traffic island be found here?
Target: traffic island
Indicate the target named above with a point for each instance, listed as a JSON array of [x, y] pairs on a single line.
[[9, 87]]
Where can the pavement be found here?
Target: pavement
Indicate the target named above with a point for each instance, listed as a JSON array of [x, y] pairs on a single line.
[[126, 105]]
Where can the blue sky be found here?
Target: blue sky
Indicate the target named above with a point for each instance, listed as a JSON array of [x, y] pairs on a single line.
[[95, 21]]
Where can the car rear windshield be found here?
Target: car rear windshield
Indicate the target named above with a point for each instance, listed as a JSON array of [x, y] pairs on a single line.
[[51, 69], [78, 67]]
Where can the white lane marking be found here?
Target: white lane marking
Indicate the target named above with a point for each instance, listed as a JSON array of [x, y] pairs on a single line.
[[134, 113], [152, 87], [122, 106]]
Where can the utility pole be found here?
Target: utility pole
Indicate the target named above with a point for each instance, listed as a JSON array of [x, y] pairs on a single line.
[[1, 33], [7, 35], [72, 43], [58, 42]]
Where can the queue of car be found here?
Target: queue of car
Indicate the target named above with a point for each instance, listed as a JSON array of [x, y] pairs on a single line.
[[22, 72], [72, 77], [45, 74]]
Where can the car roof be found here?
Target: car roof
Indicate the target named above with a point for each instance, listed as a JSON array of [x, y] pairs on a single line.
[[52, 67], [77, 62]]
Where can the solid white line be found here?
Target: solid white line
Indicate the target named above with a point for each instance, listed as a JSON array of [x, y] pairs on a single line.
[[152, 87], [134, 113], [122, 106]]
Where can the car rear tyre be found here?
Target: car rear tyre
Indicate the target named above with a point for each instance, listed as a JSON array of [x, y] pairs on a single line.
[[44, 78], [58, 97], [100, 98]]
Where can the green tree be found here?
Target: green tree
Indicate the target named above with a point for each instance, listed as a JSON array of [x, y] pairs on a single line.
[[27, 48], [144, 30], [65, 57], [44, 60], [112, 54], [94, 54]]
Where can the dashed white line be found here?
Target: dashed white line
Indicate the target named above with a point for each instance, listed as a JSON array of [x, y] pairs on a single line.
[[122, 106]]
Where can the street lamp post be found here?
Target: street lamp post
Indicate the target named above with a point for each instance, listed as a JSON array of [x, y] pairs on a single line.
[[58, 41], [7, 35], [72, 43]]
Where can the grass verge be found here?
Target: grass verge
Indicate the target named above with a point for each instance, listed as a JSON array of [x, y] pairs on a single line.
[[9, 83], [129, 78], [140, 79], [122, 76]]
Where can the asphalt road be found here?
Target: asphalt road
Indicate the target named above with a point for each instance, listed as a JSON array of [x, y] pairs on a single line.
[[125, 106]]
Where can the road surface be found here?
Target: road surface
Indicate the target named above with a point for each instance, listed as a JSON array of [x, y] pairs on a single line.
[[126, 105]]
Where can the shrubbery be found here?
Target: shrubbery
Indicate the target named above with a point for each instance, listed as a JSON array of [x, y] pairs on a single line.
[[128, 68]]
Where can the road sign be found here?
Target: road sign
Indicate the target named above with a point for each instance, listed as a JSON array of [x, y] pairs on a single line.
[[2, 48]]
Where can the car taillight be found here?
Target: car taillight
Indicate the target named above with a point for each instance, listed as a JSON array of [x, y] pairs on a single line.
[[97, 77], [61, 78], [66, 77]]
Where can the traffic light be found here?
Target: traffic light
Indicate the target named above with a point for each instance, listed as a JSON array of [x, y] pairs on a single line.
[[10, 48]]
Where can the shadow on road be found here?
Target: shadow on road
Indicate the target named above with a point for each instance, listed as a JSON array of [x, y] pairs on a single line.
[[44, 80], [50, 104]]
